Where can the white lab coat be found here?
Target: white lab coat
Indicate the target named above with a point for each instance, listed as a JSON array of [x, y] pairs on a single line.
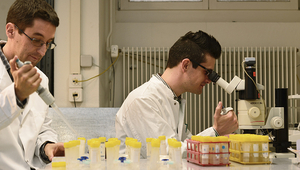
[[21, 135], [150, 111]]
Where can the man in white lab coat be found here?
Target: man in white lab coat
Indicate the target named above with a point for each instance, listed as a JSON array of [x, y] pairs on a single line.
[[156, 107], [27, 140]]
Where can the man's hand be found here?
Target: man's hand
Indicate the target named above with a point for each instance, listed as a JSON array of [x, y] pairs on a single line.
[[26, 79], [54, 149], [225, 124]]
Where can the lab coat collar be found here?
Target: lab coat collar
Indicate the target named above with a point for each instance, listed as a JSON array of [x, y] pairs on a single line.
[[4, 77], [158, 76]]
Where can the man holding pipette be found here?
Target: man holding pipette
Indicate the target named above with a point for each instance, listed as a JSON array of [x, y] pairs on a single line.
[[156, 107], [27, 140]]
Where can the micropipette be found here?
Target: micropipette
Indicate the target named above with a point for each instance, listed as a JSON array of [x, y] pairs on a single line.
[[48, 99]]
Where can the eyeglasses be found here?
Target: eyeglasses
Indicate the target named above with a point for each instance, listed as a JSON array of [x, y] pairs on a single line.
[[39, 43], [208, 71]]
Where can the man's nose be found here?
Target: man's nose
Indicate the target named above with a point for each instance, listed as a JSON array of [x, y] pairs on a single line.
[[42, 50], [207, 80]]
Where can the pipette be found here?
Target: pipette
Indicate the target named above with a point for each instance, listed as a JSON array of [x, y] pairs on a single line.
[[48, 98]]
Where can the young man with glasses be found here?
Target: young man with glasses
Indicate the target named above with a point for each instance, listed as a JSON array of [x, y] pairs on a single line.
[[156, 107], [27, 140]]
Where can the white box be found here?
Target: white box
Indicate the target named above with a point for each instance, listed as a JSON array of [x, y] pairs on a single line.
[[86, 61]]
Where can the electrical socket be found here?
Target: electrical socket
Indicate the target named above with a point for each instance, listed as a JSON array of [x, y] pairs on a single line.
[[73, 78], [75, 91]]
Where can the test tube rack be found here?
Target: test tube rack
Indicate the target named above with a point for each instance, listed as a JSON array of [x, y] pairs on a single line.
[[238, 152], [195, 155]]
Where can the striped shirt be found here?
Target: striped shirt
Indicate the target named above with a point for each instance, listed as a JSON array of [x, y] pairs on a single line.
[[7, 67]]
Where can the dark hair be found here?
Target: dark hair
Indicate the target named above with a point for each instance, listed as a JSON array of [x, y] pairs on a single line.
[[23, 12], [193, 46]]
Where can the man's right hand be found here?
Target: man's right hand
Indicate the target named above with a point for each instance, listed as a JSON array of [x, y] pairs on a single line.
[[26, 79]]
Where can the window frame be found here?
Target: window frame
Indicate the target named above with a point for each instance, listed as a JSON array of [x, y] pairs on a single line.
[[126, 5], [259, 5]]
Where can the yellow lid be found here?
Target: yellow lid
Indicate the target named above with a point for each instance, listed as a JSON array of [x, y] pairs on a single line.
[[76, 142], [110, 144], [102, 139], [255, 138], [129, 138], [231, 135], [194, 138], [246, 138], [89, 141], [118, 142], [264, 138], [95, 144], [206, 139], [82, 138], [223, 138], [199, 138], [58, 164], [127, 142], [176, 144], [162, 137], [112, 139], [239, 137], [171, 140], [155, 143], [135, 144], [215, 139], [149, 139], [68, 145], [130, 142]]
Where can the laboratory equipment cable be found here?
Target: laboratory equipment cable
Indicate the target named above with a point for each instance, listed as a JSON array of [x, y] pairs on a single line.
[[113, 86], [145, 61], [76, 81], [256, 89], [112, 64], [74, 100]]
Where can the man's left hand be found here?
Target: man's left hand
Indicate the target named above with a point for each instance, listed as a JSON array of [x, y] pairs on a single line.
[[225, 124], [54, 149]]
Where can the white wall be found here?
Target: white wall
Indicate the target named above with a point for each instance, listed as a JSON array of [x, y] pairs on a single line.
[[92, 43], [4, 7]]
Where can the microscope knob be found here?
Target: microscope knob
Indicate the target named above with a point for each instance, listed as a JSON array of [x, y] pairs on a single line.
[[276, 122], [254, 112]]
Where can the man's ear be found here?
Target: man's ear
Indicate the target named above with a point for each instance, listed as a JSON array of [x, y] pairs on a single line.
[[10, 30], [185, 63]]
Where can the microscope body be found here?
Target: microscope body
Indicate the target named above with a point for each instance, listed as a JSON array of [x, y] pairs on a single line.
[[251, 113]]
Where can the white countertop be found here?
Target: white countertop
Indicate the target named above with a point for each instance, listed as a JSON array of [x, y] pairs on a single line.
[[277, 164]]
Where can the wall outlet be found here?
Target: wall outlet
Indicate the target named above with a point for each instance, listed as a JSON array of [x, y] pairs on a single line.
[[73, 80], [75, 93]]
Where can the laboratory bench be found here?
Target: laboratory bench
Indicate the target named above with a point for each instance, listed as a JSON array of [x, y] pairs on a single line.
[[99, 122], [277, 164]]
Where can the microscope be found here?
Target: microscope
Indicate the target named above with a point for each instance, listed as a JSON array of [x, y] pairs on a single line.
[[251, 108]]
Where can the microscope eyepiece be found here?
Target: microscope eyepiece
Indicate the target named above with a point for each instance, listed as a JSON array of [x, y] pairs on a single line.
[[213, 76]]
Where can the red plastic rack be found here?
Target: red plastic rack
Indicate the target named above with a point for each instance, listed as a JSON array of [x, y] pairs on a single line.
[[194, 153]]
